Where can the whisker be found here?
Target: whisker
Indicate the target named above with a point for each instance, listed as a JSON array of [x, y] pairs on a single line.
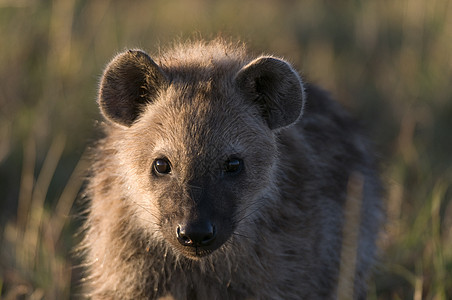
[[249, 214], [143, 207], [153, 214], [241, 235], [195, 186], [135, 213]]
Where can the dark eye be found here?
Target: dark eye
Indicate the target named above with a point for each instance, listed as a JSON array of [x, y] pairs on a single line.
[[233, 165], [162, 166]]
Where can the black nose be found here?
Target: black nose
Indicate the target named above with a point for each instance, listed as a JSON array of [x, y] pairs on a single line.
[[197, 234]]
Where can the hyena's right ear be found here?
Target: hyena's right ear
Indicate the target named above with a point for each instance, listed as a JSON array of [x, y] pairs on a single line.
[[130, 81]]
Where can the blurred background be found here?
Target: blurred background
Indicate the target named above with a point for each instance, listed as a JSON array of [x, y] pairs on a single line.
[[388, 62]]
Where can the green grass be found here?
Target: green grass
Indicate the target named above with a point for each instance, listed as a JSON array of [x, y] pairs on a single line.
[[388, 62]]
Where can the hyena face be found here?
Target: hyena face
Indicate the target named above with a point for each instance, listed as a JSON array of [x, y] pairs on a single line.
[[203, 173], [194, 137]]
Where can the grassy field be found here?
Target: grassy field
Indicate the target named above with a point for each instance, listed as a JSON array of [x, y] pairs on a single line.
[[388, 62]]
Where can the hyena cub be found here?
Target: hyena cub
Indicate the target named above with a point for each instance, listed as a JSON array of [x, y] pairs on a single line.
[[223, 176]]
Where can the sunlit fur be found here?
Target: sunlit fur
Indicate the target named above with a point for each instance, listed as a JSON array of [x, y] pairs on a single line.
[[283, 214]]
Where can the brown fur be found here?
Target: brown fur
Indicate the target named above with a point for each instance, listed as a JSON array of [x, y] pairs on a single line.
[[277, 221]]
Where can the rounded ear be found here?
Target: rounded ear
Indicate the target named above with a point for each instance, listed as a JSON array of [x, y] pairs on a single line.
[[275, 87], [130, 81]]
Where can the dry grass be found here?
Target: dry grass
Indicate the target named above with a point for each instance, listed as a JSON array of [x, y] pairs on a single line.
[[34, 262]]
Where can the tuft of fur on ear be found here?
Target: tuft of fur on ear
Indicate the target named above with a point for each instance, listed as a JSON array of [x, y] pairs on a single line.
[[275, 87], [130, 81]]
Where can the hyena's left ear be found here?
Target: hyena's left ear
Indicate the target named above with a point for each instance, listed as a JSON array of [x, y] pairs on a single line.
[[275, 87], [130, 81]]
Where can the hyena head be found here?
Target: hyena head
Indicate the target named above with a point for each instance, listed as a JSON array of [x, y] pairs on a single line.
[[196, 146]]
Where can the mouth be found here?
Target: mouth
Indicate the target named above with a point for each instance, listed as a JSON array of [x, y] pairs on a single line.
[[196, 252]]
